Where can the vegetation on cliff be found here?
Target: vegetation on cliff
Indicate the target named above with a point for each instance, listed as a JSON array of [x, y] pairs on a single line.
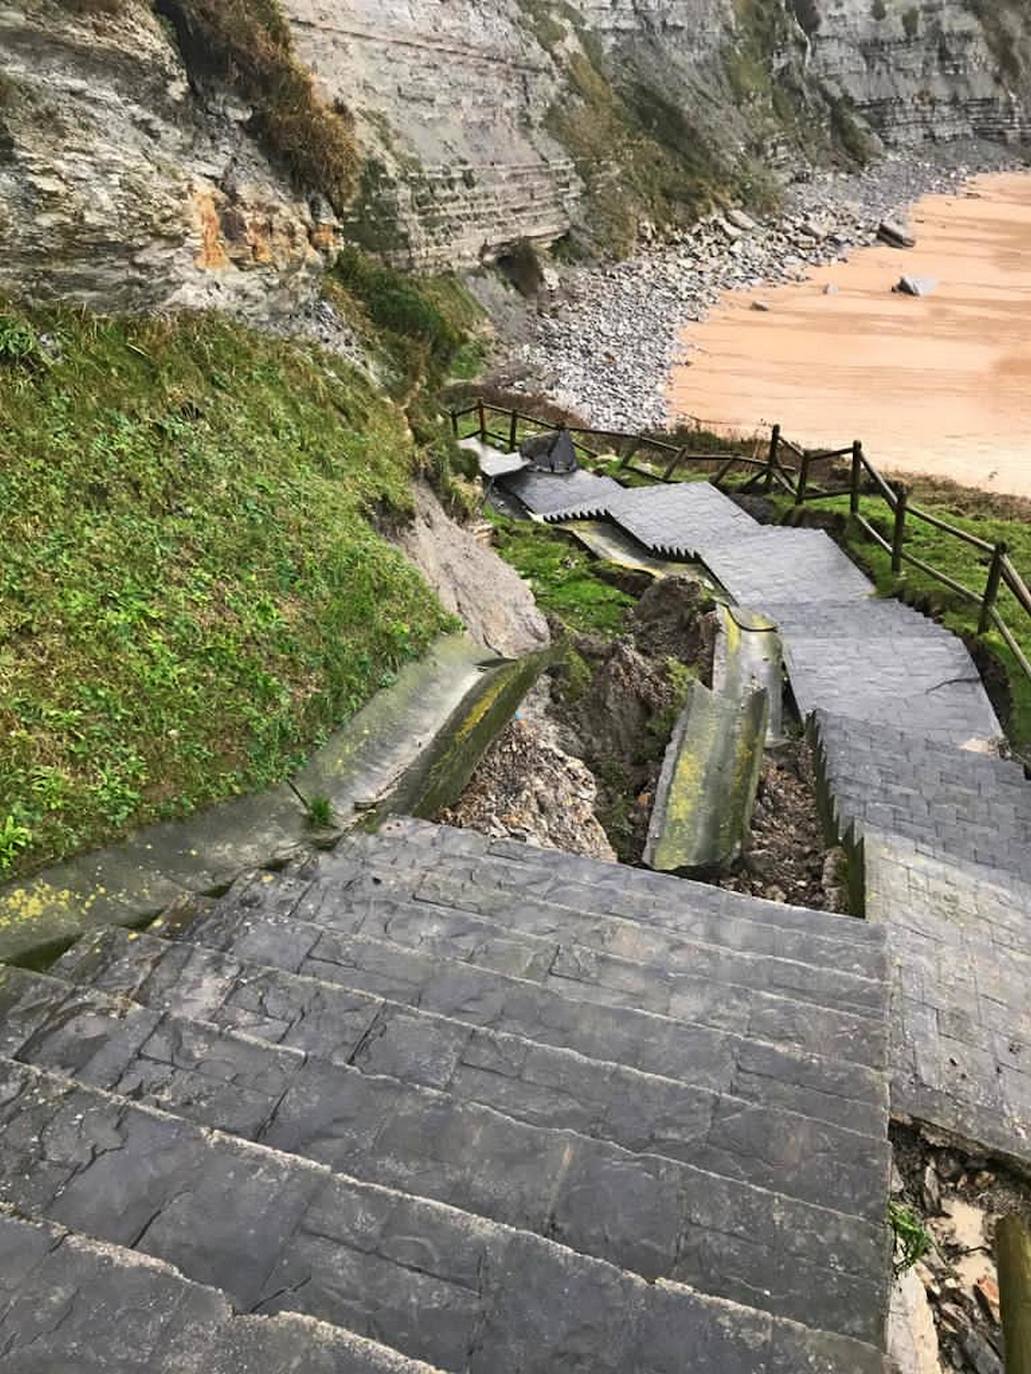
[[194, 588], [248, 44]]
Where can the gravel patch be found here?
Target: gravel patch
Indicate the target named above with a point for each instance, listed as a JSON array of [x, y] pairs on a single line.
[[606, 339]]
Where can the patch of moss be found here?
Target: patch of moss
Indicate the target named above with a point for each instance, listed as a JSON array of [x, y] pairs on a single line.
[[421, 324], [194, 589], [562, 576]]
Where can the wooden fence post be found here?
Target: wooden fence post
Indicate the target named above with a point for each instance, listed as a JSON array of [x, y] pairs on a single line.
[[628, 452], [513, 431], [857, 477], [454, 421], [991, 592], [773, 464], [673, 464], [898, 538], [1013, 1253], [803, 480], [483, 420]]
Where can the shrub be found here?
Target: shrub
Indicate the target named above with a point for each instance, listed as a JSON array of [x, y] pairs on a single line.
[[248, 43]]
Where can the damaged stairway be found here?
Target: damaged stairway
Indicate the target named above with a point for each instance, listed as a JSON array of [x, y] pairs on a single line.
[[429, 1101]]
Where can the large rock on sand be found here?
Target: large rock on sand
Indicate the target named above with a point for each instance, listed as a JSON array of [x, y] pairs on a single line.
[[895, 234], [915, 286]]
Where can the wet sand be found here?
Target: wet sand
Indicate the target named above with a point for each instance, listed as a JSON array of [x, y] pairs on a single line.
[[938, 385]]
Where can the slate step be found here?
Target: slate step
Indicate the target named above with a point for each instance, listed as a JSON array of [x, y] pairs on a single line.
[[635, 893], [853, 619], [650, 1216], [954, 803], [773, 565], [797, 1010], [71, 1305], [699, 929], [277, 1233], [681, 521], [924, 686], [827, 1089], [738, 1136]]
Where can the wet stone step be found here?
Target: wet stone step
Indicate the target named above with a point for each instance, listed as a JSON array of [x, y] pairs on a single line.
[[542, 1085], [277, 1233], [368, 909], [957, 804], [654, 1217], [845, 1092], [633, 892], [537, 900], [72, 1305], [854, 619]]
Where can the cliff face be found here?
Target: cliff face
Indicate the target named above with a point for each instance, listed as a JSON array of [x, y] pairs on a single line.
[[941, 69], [125, 185], [121, 189]]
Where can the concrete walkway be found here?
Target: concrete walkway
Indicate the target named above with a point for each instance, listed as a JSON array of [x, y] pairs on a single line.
[[939, 826]]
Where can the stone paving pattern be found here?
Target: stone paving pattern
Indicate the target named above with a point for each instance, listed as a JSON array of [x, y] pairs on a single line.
[[437, 1098], [658, 1218], [961, 942], [954, 804], [69, 1305], [907, 737], [480, 1127]]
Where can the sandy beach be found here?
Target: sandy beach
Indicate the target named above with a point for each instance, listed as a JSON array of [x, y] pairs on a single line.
[[940, 385]]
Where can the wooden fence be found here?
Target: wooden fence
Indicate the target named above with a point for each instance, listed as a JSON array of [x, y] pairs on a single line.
[[778, 463]]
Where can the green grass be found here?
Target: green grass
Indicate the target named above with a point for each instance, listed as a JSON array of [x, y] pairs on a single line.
[[421, 327], [563, 577], [193, 587], [969, 566]]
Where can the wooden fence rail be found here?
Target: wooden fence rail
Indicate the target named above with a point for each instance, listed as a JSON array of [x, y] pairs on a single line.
[[793, 469]]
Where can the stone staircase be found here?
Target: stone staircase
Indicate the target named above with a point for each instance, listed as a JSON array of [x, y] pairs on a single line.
[[432, 1098], [908, 742], [954, 803]]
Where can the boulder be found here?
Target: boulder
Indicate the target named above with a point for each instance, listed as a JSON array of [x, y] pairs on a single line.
[[915, 286], [895, 234], [740, 220], [762, 306]]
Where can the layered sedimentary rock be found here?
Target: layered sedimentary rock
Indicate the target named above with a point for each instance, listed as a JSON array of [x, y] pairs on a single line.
[[123, 189], [942, 69], [125, 182]]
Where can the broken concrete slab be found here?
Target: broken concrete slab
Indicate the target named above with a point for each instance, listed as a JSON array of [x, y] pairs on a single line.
[[391, 754], [706, 791]]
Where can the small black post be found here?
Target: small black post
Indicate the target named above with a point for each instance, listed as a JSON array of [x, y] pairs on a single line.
[[991, 593], [773, 464], [513, 431], [803, 480], [454, 421], [901, 510], [483, 420], [857, 476]]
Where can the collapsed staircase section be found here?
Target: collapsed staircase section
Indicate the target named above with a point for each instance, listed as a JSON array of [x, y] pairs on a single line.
[[432, 1099], [938, 825]]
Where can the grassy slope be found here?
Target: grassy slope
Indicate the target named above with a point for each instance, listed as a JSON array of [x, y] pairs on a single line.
[[192, 587], [563, 577]]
